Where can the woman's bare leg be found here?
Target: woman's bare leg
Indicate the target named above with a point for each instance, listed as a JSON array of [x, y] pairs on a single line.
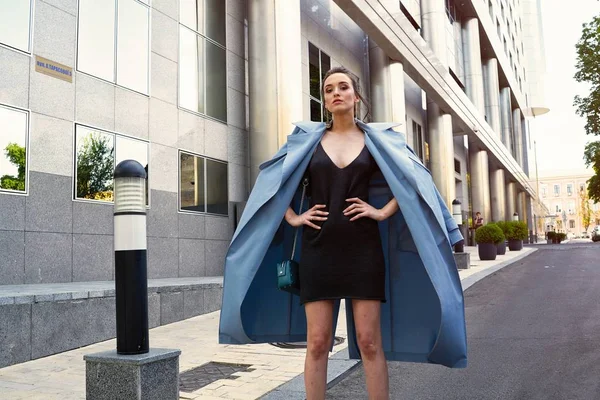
[[319, 317], [367, 317]]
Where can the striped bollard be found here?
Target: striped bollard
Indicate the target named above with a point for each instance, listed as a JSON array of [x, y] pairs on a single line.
[[131, 281]]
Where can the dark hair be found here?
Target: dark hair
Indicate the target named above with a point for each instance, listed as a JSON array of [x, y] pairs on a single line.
[[355, 86]]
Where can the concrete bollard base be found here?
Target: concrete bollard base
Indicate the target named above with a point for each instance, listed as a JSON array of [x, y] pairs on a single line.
[[463, 260], [150, 376]]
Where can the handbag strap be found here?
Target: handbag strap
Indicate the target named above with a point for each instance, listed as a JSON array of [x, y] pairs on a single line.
[[304, 185]]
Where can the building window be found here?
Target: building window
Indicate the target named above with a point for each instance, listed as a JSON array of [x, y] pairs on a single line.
[[418, 139], [202, 58], [318, 63], [203, 184], [15, 24], [491, 9], [572, 224], [454, 41], [97, 154], [569, 189], [571, 207], [113, 42], [558, 208], [13, 149], [556, 190]]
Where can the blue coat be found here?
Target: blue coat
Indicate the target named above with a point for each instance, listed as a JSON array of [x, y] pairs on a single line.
[[423, 319]]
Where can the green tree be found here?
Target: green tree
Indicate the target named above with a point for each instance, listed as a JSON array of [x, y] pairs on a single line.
[[585, 209], [16, 155], [95, 167], [588, 71]]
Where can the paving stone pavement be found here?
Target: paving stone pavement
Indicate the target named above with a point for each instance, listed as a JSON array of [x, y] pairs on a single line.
[[62, 376]]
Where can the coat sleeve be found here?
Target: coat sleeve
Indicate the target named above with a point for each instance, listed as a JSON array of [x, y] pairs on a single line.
[[453, 232]]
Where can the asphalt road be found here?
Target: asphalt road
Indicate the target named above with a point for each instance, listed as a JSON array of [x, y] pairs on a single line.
[[533, 333]]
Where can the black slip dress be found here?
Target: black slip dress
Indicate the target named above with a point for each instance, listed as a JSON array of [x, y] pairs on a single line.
[[343, 259]]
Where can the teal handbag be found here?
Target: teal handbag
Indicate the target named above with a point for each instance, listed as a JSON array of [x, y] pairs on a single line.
[[288, 271]]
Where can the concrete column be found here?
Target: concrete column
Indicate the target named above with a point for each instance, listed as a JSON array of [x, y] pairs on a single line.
[[274, 76], [433, 18], [518, 136], [473, 68], [521, 206], [441, 150], [525, 132], [492, 93], [498, 195], [506, 117], [480, 183], [387, 88], [511, 200]]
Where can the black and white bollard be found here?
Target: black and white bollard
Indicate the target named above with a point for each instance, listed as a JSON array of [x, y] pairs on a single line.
[[457, 215], [131, 281], [133, 371]]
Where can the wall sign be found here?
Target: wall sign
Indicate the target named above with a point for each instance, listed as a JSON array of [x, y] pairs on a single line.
[[53, 69]]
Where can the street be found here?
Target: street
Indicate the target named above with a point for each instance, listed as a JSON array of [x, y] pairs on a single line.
[[533, 333]]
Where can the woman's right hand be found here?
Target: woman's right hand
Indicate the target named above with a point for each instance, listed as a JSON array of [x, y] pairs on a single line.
[[314, 214]]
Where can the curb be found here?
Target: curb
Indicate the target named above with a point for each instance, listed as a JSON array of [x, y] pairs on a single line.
[[339, 366]]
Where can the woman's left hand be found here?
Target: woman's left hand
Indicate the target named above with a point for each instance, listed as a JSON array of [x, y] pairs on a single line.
[[362, 209]]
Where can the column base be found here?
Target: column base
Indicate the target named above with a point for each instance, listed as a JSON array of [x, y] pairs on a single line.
[[150, 376]]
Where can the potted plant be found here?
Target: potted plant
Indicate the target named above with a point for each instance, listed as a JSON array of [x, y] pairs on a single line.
[[505, 227], [487, 238], [561, 236], [551, 237], [518, 232]]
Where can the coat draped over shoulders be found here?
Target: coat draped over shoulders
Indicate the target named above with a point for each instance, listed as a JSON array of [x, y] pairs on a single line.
[[423, 319]]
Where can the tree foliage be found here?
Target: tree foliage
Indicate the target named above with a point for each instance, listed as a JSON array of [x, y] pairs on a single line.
[[588, 71], [95, 166], [585, 209], [16, 155]]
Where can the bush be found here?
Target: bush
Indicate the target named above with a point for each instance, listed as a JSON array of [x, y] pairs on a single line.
[[561, 236], [551, 235], [505, 226], [489, 233], [518, 230]]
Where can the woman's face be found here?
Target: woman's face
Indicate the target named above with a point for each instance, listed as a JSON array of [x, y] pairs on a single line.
[[339, 93]]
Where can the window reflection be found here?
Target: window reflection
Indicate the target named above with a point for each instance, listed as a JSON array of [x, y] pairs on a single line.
[[95, 164], [202, 58], [216, 187], [191, 71], [203, 185], [113, 42], [96, 45], [97, 154], [13, 149], [132, 46], [15, 23]]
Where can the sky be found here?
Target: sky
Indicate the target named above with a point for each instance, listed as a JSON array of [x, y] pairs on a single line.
[[560, 134]]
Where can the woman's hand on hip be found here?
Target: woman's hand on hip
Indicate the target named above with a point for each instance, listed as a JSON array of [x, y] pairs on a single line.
[[316, 213], [360, 209]]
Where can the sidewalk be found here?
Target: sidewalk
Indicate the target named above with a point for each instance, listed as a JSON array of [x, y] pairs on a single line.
[[265, 367]]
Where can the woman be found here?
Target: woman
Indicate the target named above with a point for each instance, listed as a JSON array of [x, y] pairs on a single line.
[[342, 257], [356, 245]]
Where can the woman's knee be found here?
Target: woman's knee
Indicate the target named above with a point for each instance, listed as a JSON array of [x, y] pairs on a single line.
[[319, 344], [369, 344]]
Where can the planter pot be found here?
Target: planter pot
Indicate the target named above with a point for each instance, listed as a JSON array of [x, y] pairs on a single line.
[[548, 241], [515, 245], [487, 251], [501, 248]]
